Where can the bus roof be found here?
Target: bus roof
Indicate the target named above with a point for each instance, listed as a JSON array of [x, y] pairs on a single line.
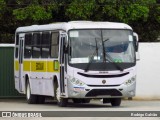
[[74, 25]]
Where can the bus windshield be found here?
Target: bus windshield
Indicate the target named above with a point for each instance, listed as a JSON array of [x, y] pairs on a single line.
[[91, 44]]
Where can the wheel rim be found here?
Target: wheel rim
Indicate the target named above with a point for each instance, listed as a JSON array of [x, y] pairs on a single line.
[[28, 92]]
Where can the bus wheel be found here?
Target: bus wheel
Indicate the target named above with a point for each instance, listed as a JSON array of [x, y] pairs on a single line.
[[62, 102], [115, 101], [40, 99], [31, 99]]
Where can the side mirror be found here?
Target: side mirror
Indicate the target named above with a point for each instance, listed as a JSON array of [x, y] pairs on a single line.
[[136, 45], [135, 41]]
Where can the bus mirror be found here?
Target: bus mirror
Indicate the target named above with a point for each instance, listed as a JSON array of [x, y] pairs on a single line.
[[135, 41]]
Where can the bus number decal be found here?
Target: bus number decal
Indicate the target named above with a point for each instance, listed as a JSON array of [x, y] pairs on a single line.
[[39, 66]]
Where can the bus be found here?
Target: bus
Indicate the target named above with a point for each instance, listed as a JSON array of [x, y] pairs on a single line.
[[77, 60]]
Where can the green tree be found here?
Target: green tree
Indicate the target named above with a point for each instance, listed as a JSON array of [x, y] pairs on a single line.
[[81, 9], [142, 15], [35, 11], [149, 30], [128, 11], [2, 6], [6, 22]]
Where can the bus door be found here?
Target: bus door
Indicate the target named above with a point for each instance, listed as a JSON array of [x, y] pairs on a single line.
[[20, 61], [62, 60]]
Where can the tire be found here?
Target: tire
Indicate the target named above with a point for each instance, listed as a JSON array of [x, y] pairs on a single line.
[[62, 102], [31, 99], [40, 99], [115, 101]]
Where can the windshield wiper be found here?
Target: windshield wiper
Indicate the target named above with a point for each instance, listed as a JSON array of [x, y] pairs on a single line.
[[91, 58], [109, 58]]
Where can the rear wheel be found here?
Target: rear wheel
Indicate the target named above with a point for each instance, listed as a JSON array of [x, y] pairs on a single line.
[[40, 99], [31, 99], [115, 101]]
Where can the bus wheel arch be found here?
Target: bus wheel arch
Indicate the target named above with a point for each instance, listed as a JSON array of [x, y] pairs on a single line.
[[26, 81], [55, 85], [31, 99]]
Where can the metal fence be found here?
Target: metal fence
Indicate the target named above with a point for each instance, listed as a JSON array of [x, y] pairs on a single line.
[[7, 88]]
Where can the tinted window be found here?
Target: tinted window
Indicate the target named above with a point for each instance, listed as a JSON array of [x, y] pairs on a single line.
[[54, 45], [17, 43], [27, 46], [45, 42], [36, 45], [28, 39]]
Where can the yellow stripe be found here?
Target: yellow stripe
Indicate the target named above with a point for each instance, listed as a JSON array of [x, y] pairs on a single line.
[[26, 65], [16, 64], [40, 66]]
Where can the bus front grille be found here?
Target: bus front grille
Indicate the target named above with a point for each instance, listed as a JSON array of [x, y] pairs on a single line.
[[103, 92]]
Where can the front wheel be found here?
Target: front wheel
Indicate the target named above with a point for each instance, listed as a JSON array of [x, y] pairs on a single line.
[[115, 101], [31, 99]]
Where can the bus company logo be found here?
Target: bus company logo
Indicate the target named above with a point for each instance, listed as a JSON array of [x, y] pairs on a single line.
[[6, 114], [103, 81], [39, 66]]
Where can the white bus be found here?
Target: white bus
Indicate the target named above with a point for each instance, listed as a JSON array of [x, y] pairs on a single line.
[[78, 60]]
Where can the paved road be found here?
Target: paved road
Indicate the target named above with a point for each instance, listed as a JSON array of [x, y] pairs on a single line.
[[95, 105]]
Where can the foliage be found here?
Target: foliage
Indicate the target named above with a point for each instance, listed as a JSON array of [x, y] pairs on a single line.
[[81, 9], [127, 13], [149, 30], [2, 7], [35, 11], [142, 15]]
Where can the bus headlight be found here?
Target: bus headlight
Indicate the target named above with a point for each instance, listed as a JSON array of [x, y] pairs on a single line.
[[76, 81], [130, 81]]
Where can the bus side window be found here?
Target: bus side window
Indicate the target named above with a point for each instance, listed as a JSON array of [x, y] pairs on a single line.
[[36, 45], [45, 43], [17, 43], [54, 45], [27, 46]]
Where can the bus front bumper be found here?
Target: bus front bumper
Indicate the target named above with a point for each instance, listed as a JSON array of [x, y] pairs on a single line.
[[101, 92]]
